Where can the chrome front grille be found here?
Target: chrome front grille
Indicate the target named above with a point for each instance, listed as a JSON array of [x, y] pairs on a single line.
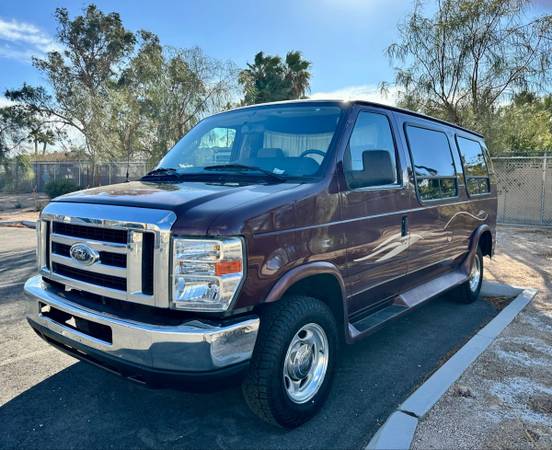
[[133, 245]]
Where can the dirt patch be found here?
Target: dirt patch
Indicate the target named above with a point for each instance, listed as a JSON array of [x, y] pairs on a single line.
[[499, 302], [541, 405], [10, 203], [504, 400], [16, 208], [462, 391], [13, 218]]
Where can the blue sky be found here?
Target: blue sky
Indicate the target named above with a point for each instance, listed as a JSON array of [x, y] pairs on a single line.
[[344, 39]]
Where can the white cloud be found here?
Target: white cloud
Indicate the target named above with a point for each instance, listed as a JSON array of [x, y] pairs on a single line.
[[368, 92], [23, 40]]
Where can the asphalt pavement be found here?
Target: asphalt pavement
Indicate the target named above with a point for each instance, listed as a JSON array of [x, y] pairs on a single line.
[[49, 400]]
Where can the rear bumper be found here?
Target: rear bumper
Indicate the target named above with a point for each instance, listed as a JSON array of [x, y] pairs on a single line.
[[139, 350]]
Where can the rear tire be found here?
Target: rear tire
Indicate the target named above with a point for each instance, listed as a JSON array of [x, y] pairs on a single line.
[[469, 291], [293, 362]]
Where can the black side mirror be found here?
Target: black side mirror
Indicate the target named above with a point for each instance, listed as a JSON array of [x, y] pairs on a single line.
[[378, 168]]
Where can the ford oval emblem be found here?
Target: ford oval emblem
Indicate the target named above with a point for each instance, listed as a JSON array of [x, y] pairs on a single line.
[[83, 254]]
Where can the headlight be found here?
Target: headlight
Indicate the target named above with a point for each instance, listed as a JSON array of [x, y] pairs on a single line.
[[206, 273]]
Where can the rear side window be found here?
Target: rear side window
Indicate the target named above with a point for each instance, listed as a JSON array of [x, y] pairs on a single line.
[[475, 166], [369, 160], [434, 169]]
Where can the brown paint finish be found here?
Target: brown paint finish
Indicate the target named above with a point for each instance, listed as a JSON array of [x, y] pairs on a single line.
[[293, 231]]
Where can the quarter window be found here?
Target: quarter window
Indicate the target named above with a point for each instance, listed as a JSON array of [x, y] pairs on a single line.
[[475, 166], [370, 156], [434, 168]]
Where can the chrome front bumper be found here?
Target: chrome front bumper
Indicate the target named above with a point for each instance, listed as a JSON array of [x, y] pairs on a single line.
[[193, 346]]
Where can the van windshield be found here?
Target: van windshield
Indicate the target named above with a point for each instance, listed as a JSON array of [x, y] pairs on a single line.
[[279, 142]]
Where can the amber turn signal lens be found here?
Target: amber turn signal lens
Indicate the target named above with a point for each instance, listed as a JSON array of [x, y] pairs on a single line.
[[226, 267]]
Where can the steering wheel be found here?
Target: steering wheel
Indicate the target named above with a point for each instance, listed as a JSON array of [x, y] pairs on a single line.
[[313, 151]]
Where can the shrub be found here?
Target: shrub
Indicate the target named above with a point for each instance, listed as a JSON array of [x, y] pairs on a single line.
[[55, 188]]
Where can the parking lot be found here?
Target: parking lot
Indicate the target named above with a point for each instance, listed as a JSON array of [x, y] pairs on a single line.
[[50, 400]]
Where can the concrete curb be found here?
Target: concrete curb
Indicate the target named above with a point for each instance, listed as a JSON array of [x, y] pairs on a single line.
[[25, 223], [9, 223], [494, 289], [398, 430]]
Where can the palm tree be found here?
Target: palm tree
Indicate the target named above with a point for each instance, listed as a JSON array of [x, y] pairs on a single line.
[[46, 138], [270, 79], [297, 74], [264, 80]]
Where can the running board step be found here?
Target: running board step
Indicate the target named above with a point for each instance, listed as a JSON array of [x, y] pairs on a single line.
[[405, 302], [432, 288], [378, 318]]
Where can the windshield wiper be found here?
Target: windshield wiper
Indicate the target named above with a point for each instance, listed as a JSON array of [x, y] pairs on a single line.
[[161, 174], [161, 171], [246, 168]]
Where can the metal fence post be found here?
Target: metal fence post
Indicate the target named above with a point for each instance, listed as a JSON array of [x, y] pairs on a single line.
[[543, 191]]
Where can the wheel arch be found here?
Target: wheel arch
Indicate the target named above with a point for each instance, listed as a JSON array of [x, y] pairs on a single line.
[[485, 243], [321, 280], [481, 238]]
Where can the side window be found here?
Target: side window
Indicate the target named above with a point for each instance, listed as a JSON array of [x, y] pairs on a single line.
[[370, 156], [434, 169], [475, 166]]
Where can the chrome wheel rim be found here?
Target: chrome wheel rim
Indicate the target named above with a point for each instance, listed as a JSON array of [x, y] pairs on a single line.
[[475, 274], [306, 363]]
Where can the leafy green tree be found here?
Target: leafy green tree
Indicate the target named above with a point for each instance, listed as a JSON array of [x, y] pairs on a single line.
[[14, 122], [94, 45], [270, 79], [20, 123], [524, 125], [167, 92], [124, 92], [463, 61]]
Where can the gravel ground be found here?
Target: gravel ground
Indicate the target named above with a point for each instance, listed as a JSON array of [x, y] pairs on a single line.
[[504, 400], [16, 217], [15, 208], [13, 202]]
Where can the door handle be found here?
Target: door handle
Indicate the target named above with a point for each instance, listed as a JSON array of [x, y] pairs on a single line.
[[404, 226]]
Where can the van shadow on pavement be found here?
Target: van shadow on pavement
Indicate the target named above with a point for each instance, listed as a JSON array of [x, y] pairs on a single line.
[[85, 407]]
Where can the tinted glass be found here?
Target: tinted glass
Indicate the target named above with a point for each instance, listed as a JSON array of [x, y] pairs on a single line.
[[479, 185], [288, 141], [216, 145], [472, 157], [429, 188], [448, 187], [430, 151], [372, 133]]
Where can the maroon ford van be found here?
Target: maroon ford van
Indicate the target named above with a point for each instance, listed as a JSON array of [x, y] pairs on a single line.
[[266, 238]]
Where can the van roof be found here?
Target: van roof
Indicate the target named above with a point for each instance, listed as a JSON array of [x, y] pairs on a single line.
[[367, 103]]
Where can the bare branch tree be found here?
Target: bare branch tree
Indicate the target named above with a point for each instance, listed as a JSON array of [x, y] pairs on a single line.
[[461, 62]]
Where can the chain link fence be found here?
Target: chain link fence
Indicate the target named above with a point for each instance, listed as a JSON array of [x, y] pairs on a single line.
[[524, 182], [15, 178], [524, 189]]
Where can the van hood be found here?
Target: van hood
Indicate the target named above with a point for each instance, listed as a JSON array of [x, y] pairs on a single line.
[[195, 203]]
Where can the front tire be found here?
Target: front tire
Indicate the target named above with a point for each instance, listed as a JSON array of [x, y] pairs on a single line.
[[293, 362], [469, 291]]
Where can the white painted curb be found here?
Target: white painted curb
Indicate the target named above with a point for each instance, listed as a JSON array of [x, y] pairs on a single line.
[[398, 430]]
